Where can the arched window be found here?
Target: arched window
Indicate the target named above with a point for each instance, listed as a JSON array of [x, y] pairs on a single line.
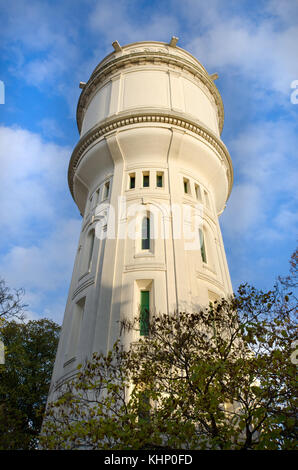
[[146, 233], [202, 246]]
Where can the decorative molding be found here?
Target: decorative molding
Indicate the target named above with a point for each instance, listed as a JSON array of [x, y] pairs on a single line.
[[88, 282], [69, 361], [144, 267], [142, 57], [210, 279], [64, 379], [139, 195], [158, 117], [144, 165]]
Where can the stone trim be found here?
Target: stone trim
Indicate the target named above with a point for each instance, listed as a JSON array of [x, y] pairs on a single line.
[[73, 359], [112, 124], [144, 267], [66, 377], [82, 287], [101, 73], [211, 280]]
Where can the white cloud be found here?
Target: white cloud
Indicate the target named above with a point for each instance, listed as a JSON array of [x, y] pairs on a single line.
[[264, 156], [50, 128], [46, 264], [126, 24], [286, 11], [40, 229], [43, 40], [261, 50], [243, 210], [286, 219], [33, 176]]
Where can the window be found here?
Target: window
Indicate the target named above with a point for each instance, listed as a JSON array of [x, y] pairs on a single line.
[[88, 206], [97, 196], [144, 313], [86, 258], [159, 180], [207, 199], [146, 179], [198, 192], [144, 406], [90, 245], [106, 190], [186, 185], [132, 180], [202, 245], [146, 233], [76, 324]]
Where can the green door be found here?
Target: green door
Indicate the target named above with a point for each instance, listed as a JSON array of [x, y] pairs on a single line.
[[144, 313]]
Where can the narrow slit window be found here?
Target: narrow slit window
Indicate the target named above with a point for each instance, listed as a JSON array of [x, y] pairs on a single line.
[[97, 196], [146, 180], [91, 236], [186, 185], [88, 205], [76, 325], [202, 245], [132, 181], [106, 190], [207, 201], [146, 233], [159, 180], [144, 313], [198, 192]]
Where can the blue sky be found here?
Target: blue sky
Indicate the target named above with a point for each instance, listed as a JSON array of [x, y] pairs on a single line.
[[48, 47]]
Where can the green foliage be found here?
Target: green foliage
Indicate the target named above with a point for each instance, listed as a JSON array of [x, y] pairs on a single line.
[[221, 378], [24, 380]]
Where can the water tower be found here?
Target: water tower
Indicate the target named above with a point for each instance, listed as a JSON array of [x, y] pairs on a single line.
[[149, 163]]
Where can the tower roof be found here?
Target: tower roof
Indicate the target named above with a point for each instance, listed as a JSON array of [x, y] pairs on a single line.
[[142, 53]]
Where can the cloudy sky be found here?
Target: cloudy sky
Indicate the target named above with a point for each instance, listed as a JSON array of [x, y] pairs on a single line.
[[49, 46]]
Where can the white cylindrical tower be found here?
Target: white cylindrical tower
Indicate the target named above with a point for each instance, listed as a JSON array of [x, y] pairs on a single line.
[[149, 165]]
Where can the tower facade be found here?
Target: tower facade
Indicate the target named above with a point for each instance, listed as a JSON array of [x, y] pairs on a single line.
[[150, 176]]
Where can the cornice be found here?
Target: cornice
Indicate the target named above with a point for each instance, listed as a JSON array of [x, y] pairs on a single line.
[[102, 72], [139, 117]]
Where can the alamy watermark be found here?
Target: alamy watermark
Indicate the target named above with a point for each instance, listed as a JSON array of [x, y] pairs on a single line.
[[2, 92], [294, 94], [177, 221]]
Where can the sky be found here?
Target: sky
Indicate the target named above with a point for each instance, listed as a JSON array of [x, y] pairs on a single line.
[[49, 46]]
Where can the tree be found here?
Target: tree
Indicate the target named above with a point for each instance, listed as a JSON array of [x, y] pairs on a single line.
[[221, 378], [11, 303], [291, 281], [24, 380]]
